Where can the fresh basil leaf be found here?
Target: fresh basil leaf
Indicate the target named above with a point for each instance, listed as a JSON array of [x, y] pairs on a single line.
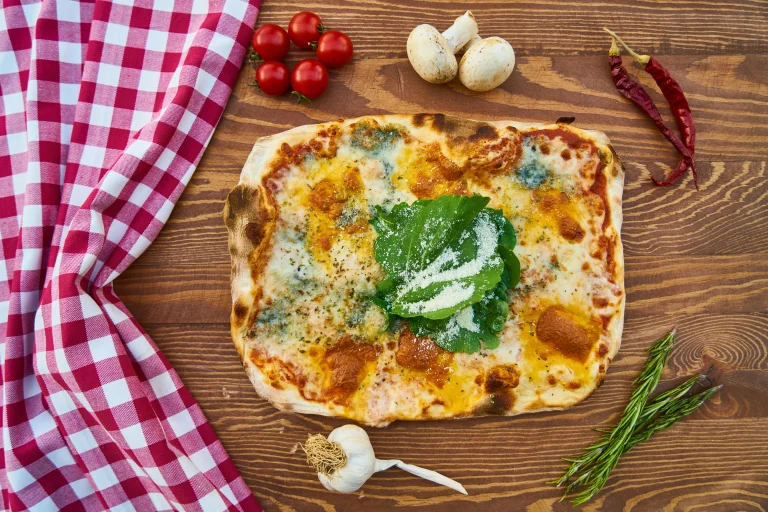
[[463, 332], [507, 242], [490, 341], [463, 277], [449, 264], [448, 337], [507, 237], [454, 269], [411, 236], [385, 286], [512, 266]]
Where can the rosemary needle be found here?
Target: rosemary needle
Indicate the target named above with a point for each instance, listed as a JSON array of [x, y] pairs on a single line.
[[672, 410]]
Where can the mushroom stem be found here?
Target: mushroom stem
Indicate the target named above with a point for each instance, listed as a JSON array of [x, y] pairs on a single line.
[[461, 32], [432, 54], [472, 42]]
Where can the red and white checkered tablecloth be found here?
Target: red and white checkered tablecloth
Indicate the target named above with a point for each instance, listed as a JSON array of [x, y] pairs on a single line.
[[106, 110]]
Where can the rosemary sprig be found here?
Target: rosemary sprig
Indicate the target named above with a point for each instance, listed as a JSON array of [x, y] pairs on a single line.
[[659, 403], [641, 420], [663, 401], [610, 446], [673, 412]]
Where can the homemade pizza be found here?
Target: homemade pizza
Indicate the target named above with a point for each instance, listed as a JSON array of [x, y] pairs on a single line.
[[421, 267]]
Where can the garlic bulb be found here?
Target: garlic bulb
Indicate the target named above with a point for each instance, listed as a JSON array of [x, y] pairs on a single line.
[[345, 461]]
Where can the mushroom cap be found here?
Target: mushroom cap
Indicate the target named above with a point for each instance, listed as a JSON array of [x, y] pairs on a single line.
[[487, 64], [430, 55]]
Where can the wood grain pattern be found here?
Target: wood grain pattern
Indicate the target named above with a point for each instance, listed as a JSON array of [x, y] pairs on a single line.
[[729, 99], [559, 27], [695, 260], [500, 458]]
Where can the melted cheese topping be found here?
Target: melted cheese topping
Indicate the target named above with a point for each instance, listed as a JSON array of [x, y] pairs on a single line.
[[321, 271]]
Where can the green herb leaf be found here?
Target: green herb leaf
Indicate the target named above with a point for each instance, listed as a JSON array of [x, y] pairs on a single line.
[[412, 236], [464, 330], [441, 255], [449, 264]]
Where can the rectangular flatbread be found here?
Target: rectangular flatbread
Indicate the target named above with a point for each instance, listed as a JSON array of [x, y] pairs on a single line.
[[304, 271]]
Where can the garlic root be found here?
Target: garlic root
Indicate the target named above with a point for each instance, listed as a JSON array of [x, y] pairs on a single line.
[[427, 474], [345, 461], [324, 455]]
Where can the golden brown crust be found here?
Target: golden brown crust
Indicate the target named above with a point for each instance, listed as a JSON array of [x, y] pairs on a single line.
[[461, 154], [249, 215], [505, 376]]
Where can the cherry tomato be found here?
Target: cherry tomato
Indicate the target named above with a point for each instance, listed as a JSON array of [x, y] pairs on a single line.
[[273, 78], [270, 42], [309, 79], [304, 29], [334, 49]]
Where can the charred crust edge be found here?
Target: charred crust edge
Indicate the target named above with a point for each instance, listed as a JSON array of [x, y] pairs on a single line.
[[499, 404], [249, 217]]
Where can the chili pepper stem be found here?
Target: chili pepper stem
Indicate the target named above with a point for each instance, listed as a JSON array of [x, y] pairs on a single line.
[[614, 51], [642, 59]]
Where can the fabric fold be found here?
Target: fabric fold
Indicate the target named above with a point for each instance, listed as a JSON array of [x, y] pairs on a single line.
[[107, 109]]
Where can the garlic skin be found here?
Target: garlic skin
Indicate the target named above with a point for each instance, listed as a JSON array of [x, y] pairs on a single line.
[[361, 461]]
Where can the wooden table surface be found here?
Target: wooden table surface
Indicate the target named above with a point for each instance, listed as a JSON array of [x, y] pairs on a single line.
[[695, 260]]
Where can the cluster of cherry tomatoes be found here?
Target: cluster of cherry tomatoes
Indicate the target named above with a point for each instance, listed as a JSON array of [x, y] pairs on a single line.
[[309, 77]]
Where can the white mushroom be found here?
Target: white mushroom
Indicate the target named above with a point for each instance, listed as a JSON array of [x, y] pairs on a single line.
[[432, 53], [487, 64]]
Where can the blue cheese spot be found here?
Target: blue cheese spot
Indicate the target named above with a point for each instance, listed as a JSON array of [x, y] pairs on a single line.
[[375, 139], [532, 173]]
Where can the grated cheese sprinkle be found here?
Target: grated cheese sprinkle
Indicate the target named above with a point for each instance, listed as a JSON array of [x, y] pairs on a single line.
[[487, 241], [466, 319], [449, 296]]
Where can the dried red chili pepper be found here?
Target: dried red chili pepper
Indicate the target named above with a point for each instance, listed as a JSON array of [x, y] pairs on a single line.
[[635, 93], [679, 171], [681, 111]]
